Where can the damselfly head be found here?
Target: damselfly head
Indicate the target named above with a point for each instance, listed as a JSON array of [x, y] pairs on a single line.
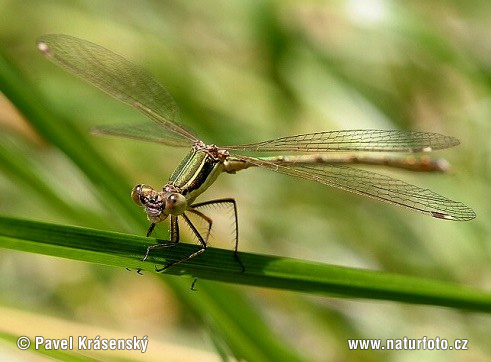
[[153, 201]]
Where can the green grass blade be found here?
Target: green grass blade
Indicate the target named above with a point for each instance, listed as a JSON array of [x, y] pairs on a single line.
[[219, 265]]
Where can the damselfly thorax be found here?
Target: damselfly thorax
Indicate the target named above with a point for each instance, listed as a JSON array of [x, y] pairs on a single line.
[[196, 172], [328, 157]]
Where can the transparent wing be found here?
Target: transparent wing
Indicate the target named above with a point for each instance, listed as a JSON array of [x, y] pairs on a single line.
[[354, 140], [371, 184], [146, 131], [116, 76]]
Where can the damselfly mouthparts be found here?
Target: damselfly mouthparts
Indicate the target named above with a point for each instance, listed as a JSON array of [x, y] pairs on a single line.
[[204, 163]]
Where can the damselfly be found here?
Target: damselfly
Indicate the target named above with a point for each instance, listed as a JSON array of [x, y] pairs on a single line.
[[204, 163]]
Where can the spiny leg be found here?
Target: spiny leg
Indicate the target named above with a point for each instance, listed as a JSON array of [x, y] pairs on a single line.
[[201, 240], [210, 224], [236, 220], [149, 232], [174, 236], [206, 218]]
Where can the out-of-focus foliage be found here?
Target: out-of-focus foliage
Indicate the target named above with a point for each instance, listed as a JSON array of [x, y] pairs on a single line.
[[244, 72]]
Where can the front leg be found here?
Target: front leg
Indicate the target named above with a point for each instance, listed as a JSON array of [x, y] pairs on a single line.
[[174, 235], [200, 238], [150, 229]]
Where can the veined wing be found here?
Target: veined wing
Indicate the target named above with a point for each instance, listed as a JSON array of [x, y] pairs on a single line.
[[116, 76], [371, 184], [145, 131], [354, 140]]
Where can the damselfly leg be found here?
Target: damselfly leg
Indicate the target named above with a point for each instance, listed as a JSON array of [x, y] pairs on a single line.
[[174, 236], [236, 222], [174, 232]]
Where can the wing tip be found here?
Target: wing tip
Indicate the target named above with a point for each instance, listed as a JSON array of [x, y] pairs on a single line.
[[44, 48], [440, 142], [440, 215], [468, 215]]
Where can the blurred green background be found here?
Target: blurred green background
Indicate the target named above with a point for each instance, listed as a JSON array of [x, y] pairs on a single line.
[[245, 72]]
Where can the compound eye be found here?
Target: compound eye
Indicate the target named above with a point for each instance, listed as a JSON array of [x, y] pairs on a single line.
[[140, 194], [135, 194], [176, 204]]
